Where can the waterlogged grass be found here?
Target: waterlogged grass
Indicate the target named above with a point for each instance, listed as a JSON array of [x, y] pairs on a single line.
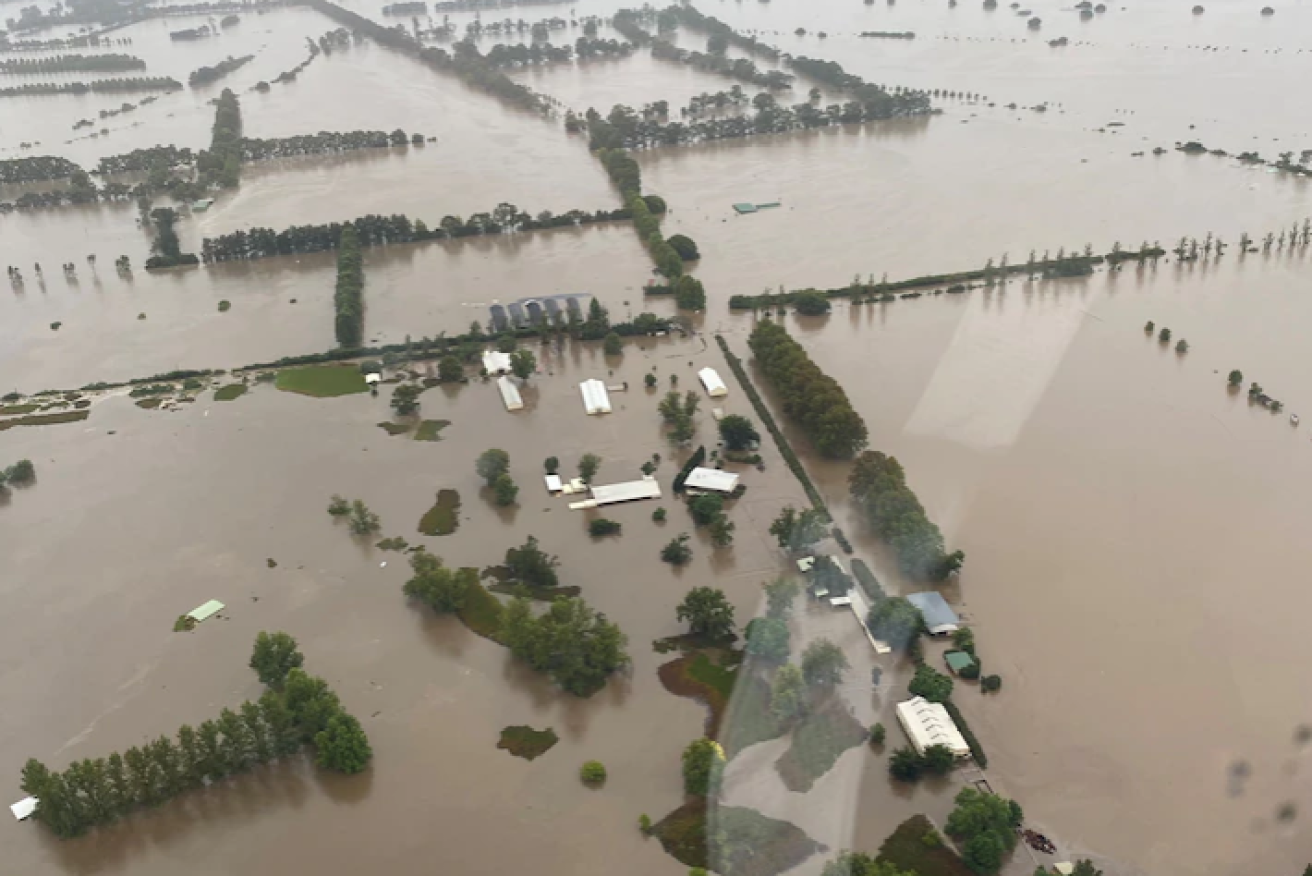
[[747, 842], [905, 848], [482, 613], [230, 392], [523, 741], [696, 677], [44, 419], [818, 741], [322, 381], [395, 428], [444, 517], [149, 404], [429, 430], [14, 410]]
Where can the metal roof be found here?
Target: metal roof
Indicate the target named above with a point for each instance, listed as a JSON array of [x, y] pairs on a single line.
[[205, 611], [609, 494], [929, 724], [711, 479], [510, 393], [958, 660], [23, 808], [595, 399], [939, 616], [495, 361], [711, 380]]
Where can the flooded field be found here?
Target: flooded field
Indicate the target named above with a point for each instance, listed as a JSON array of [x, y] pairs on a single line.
[[1129, 524]]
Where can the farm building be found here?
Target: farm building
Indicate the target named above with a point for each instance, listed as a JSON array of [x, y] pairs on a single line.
[[929, 724]]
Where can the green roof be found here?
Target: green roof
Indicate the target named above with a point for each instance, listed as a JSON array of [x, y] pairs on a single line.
[[207, 610], [745, 208], [958, 660]]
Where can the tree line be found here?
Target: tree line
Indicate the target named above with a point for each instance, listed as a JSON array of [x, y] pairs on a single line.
[[625, 173], [811, 399], [629, 23], [324, 143], [109, 63], [348, 298], [375, 230], [206, 75], [878, 486], [100, 86], [220, 165], [296, 710], [81, 190], [166, 249], [37, 168]]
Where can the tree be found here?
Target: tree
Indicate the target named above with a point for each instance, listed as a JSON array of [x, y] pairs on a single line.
[[905, 765], [721, 531], [551, 464], [532, 566], [437, 586], [780, 594], [878, 734], [796, 532], [689, 294], [738, 432], [705, 508], [787, 694], [338, 507], [449, 370], [612, 345], [588, 465], [310, 702], [895, 621], [939, 760], [1236, 377], [1164, 335], [811, 303], [576, 646], [1085, 868], [342, 745], [823, 664], [768, 639], [685, 246], [707, 612], [677, 552], [523, 363], [931, 684], [504, 490], [492, 464], [985, 827], [405, 398], [592, 773], [703, 761], [362, 520], [991, 683], [21, 473], [275, 655]]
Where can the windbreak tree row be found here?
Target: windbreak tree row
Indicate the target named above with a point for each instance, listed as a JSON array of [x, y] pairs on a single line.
[[349, 295], [627, 176], [100, 86], [878, 486], [221, 164], [108, 63], [629, 23], [206, 75]]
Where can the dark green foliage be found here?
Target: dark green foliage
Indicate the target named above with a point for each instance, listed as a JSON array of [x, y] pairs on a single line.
[[342, 745], [866, 578], [685, 247], [589, 463], [768, 639], [603, 527], [677, 552], [895, 621], [573, 644], [878, 734], [523, 741], [738, 432], [658, 516], [689, 294], [938, 760], [491, 464], [531, 566], [812, 399], [811, 303], [708, 613], [405, 398], [449, 370], [931, 684], [274, 655], [797, 532], [612, 345], [705, 509], [823, 664], [877, 484], [703, 762], [363, 521], [552, 465], [984, 826], [440, 588], [107, 63], [906, 848], [991, 683], [21, 473], [698, 457], [905, 765], [504, 490], [220, 165], [349, 295], [592, 773], [166, 248]]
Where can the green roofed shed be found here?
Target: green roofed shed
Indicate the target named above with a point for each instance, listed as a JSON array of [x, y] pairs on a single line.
[[205, 611], [745, 208], [959, 661]]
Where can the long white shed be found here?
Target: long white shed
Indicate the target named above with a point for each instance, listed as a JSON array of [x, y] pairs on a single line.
[[510, 393], [710, 379], [929, 724], [595, 398]]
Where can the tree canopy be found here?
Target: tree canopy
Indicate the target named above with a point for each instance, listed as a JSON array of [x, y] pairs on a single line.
[[984, 826], [823, 664], [342, 745], [703, 761], [931, 684], [895, 621], [768, 639], [440, 588], [531, 565], [492, 464], [738, 432], [275, 655], [707, 612], [573, 644], [861, 864], [877, 484], [795, 531]]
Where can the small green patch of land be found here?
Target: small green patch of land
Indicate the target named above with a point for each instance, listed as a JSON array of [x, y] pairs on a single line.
[[395, 428], [149, 403], [230, 392], [523, 741], [697, 677], [818, 741], [444, 517], [747, 842], [322, 381], [907, 850], [429, 430], [482, 613], [44, 419], [14, 410]]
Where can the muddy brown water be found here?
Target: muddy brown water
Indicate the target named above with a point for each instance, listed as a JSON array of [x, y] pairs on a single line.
[[1129, 525]]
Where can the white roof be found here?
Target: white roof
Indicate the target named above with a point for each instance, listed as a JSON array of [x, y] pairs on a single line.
[[805, 564], [510, 393], [1065, 868], [711, 479], [202, 612], [373, 377], [837, 601], [496, 362], [609, 494], [23, 808], [714, 385], [554, 483], [929, 724], [595, 399]]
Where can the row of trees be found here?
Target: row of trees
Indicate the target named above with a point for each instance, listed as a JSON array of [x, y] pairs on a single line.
[[711, 61], [220, 165], [811, 398], [878, 486], [37, 168], [348, 298], [295, 710], [100, 86], [20, 474], [376, 230], [206, 75], [624, 172], [166, 250], [324, 143], [145, 160], [109, 63]]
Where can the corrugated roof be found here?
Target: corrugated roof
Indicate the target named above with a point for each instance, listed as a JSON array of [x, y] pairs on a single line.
[[205, 611], [711, 479], [609, 494], [929, 724], [509, 393], [711, 380], [939, 616], [595, 399]]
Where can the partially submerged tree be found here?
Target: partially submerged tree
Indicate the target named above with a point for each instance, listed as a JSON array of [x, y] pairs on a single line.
[[823, 664], [492, 464], [532, 566], [405, 398], [275, 655], [738, 432], [707, 612]]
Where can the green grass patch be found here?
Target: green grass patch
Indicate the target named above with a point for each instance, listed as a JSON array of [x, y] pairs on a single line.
[[818, 741], [695, 676], [525, 742], [325, 381], [230, 392], [429, 430], [906, 849], [395, 428], [184, 624], [746, 843], [444, 517], [14, 410], [151, 389], [482, 613], [45, 419], [149, 403]]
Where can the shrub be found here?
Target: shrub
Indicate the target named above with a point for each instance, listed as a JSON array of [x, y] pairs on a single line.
[[697, 458], [905, 765], [601, 527], [991, 683], [658, 516], [811, 303], [649, 380], [552, 465], [644, 824], [703, 760], [685, 246], [612, 345], [504, 490], [592, 773], [938, 760], [877, 734], [931, 684], [706, 509], [492, 464], [338, 507], [677, 552]]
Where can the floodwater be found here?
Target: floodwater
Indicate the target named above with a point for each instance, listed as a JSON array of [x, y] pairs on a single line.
[[1129, 525]]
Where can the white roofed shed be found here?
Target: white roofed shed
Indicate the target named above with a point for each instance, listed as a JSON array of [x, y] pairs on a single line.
[[510, 393], [710, 379], [495, 362], [929, 724], [713, 479], [595, 398]]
